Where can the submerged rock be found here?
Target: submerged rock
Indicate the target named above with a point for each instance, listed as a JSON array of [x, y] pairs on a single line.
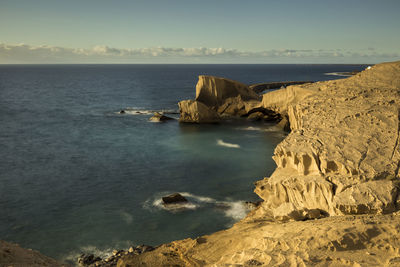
[[174, 198]]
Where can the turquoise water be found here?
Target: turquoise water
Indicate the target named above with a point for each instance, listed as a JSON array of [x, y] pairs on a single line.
[[76, 176]]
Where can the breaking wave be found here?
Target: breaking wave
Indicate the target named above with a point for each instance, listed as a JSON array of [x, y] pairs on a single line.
[[338, 74], [142, 111], [220, 142]]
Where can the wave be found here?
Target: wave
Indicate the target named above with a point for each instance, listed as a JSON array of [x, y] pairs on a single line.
[[260, 129], [141, 111], [235, 210], [220, 142], [338, 74], [71, 257]]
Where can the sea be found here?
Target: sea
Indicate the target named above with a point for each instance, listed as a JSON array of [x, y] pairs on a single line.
[[76, 176]]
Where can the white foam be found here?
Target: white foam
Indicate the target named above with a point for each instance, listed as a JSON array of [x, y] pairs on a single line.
[[237, 210], [338, 74], [261, 129], [199, 198], [158, 203], [220, 142], [141, 111], [72, 257]]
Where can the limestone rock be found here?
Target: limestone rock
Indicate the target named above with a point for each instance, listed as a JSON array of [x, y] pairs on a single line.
[[373, 197], [281, 99], [233, 106], [213, 91], [195, 111]]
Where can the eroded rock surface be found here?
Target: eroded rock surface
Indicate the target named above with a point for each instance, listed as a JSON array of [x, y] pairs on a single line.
[[341, 159], [220, 98], [342, 155], [195, 111]]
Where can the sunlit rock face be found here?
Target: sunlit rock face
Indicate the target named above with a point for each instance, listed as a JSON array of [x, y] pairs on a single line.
[[195, 111], [226, 97], [342, 155], [342, 158], [214, 91]]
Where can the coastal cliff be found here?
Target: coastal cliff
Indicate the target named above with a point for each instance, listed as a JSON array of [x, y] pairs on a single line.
[[333, 198]]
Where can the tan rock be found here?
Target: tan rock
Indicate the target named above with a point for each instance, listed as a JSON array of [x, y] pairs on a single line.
[[213, 91], [195, 111], [368, 198]]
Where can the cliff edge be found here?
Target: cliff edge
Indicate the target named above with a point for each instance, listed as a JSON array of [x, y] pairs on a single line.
[[333, 198]]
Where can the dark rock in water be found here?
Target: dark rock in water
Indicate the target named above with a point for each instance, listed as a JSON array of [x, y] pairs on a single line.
[[158, 117], [122, 111], [174, 198], [88, 259]]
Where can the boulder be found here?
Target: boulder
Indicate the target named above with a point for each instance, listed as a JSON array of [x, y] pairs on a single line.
[[158, 117], [88, 259], [213, 91], [195, 111], [173, 199]]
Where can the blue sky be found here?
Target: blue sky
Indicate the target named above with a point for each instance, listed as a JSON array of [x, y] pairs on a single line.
[[185, 31]]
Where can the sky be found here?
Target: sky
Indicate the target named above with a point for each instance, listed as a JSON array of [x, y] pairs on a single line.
[[186, 31]]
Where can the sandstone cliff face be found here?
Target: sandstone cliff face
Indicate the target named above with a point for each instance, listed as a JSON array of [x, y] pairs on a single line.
[[223, 96], [214, 91], [195, 111], [343, 153], [341, 159]]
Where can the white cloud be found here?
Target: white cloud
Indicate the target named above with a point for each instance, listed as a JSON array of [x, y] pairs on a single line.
[[22, 53]]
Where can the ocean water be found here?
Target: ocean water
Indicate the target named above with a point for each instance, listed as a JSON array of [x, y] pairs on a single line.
[[76, 176]]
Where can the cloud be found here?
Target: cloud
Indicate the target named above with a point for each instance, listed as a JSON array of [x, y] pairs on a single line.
[[23, 53]]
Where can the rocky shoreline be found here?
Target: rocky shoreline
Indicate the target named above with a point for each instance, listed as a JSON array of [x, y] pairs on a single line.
[[333, 199]]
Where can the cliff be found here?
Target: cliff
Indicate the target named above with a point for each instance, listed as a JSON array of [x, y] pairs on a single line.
[[333, 198]]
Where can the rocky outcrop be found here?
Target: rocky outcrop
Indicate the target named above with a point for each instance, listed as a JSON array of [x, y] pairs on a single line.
[[342, 155], [360, 240], [195, 111], [226, 98], [342, 158], [214, 91], [14, 255]]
